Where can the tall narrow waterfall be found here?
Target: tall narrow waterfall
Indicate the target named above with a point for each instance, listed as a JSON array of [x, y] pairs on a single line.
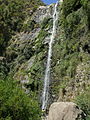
[[47, 72]]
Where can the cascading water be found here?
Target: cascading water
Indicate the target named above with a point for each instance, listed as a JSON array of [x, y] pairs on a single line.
[[47, 72]]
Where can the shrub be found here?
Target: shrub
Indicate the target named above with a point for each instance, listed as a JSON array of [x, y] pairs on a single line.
[[83, 100], [70, 6], [47, 23], [15, 104], [86, 7]]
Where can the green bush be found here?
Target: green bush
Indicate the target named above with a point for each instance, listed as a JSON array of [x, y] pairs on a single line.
[[83, 100], [86, 7], [29, 26], [70, 6], [15, 104], [47, 23]]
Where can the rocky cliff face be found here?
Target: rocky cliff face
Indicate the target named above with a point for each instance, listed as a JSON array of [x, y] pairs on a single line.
[[26, 52], [71, 56]]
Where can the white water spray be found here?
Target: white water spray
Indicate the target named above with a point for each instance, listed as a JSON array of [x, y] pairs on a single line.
[[47, 72]]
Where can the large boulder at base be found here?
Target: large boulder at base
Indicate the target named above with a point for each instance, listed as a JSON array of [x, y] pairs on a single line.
[[65, 111]]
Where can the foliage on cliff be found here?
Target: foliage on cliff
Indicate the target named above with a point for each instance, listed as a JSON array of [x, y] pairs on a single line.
[[15, 104], [71, 52], [27, 51], [12, 16]]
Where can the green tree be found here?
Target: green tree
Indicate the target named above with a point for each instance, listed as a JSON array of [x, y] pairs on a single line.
[[15, 104]]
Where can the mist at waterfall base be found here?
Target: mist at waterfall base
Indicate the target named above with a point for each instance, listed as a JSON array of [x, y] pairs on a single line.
[[45, 94], [49, 1]]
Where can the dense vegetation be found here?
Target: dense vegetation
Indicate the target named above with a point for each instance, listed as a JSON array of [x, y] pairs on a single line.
[[71, 53], [72, 43], [25, 58], [83, 100], [13, 13], [15, 104]]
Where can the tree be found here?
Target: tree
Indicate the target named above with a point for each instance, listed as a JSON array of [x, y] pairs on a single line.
[[15, 104]]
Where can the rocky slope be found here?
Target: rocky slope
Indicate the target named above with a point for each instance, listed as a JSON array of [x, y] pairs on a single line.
[[71, 52], [26, 53]]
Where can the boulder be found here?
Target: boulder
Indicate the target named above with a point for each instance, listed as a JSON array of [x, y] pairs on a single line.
[[65, 111]]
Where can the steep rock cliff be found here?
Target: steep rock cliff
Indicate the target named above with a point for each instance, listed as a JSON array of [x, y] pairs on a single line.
[[26, 52], [71, 55]]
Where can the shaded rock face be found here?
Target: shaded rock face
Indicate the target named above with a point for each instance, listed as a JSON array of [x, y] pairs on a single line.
[[65, 111], [42, 12]]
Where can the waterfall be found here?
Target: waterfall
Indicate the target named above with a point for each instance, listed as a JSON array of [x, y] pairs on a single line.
[[45, 94]]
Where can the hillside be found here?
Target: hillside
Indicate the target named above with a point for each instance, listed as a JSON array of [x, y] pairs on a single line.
[[12, 17], [25, 30]]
